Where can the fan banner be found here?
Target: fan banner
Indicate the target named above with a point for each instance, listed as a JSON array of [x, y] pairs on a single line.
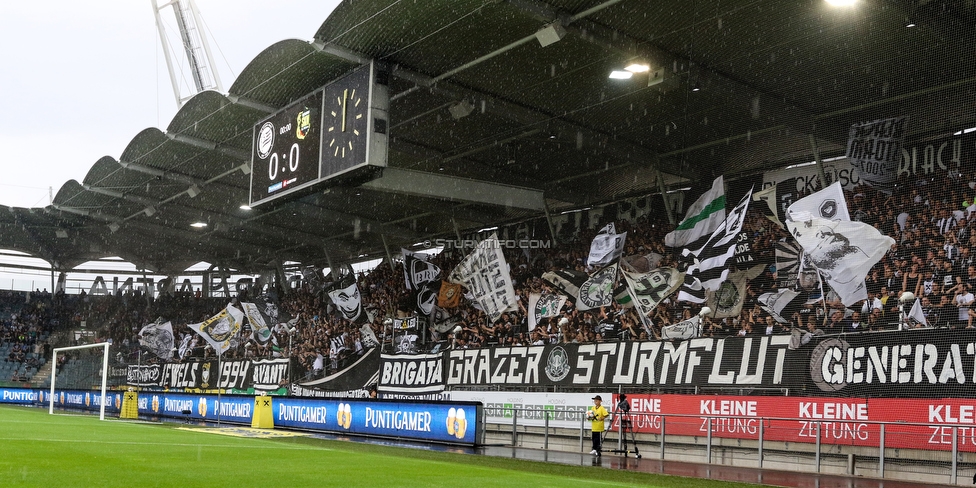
[[606, 247], [237, 374], [544, 305], [485, 274], [411, 373], [348, 301], [157, 338], [828, 204], [875, 149], [686, 329], [423, 278], [222, 330], [449, 295], [730, 362], [651, 288]]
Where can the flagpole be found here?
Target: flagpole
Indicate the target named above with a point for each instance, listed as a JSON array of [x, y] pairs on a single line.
[[219, 354]]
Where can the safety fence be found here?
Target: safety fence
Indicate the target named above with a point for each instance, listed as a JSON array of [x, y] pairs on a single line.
[[906, 451]]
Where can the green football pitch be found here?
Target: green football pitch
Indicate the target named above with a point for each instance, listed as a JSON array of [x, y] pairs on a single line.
[[65, 450]]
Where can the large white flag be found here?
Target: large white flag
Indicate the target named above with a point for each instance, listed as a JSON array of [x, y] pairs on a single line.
[[842, 252], [917, 315], [703, 217], [828, 204], [606, 247], [485, 274], [221, 330]]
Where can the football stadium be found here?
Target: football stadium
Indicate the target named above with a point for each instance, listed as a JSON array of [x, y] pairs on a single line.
[[705, 243]]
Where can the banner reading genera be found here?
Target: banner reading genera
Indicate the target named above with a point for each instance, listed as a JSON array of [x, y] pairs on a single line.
[[919, 363]]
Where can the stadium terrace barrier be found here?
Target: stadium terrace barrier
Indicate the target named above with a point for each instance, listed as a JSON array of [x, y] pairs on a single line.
[[457, 423]]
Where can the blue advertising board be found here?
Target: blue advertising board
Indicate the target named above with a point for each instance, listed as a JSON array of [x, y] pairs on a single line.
[[448, 422], [443, 422]]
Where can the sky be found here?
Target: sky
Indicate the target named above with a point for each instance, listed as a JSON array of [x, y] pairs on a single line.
[[78, 80]]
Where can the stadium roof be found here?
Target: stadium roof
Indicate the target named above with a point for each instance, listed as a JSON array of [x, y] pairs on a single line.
[[476, 96]]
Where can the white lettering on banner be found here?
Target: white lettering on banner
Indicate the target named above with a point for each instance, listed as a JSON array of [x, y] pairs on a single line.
[[944, 154], [728, 408], [650, 405], [648, 362], [726, 425], [301, 413], [269, 374], [473, 366], [840, 365], [964, 414], [232, 409], [233, 374], [398, 420], [177, 405], [833, 411], [835, 430], [23, 396], [176, 375], [412, 372], [74, 398]]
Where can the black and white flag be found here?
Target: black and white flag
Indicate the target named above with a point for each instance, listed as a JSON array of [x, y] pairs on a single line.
[[367, 337], [485, 274], [263, 314], [875, 149], [587, 291], [544, 305], [686, 329], [158, 339], [651, 288], [423, 278], [347, 300], [780, 304], [776, 199], [709, 269], [606, 247]]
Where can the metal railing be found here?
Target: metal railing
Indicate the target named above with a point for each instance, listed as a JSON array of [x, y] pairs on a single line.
[[923, 452]]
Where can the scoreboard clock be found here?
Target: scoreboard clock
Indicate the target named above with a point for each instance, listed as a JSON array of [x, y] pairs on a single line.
[[336, 135], [285, 150]]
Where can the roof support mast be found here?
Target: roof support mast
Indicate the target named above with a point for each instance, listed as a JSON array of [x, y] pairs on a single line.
[[196, 49]]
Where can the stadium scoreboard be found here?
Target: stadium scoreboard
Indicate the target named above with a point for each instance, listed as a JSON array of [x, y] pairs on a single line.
[[335, 135]]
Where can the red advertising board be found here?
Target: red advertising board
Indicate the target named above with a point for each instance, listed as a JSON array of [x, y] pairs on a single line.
[[845, 421]]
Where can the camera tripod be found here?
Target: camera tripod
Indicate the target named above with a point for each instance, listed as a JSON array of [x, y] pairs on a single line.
[[626, 430]]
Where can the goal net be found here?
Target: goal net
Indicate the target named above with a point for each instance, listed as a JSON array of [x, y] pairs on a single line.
[[80, 368]]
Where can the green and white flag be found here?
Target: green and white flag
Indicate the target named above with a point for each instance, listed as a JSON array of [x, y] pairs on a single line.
[[703, 217]]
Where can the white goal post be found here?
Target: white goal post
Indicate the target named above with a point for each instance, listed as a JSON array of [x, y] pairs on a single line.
[[54, 373]]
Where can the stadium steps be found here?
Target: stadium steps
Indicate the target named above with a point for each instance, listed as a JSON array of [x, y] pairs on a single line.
[[43, 375]]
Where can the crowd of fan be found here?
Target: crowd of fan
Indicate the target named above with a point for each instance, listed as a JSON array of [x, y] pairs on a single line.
[[932, 258]]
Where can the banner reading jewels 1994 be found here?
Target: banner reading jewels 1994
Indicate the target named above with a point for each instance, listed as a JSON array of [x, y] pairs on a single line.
[[875, 149]]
